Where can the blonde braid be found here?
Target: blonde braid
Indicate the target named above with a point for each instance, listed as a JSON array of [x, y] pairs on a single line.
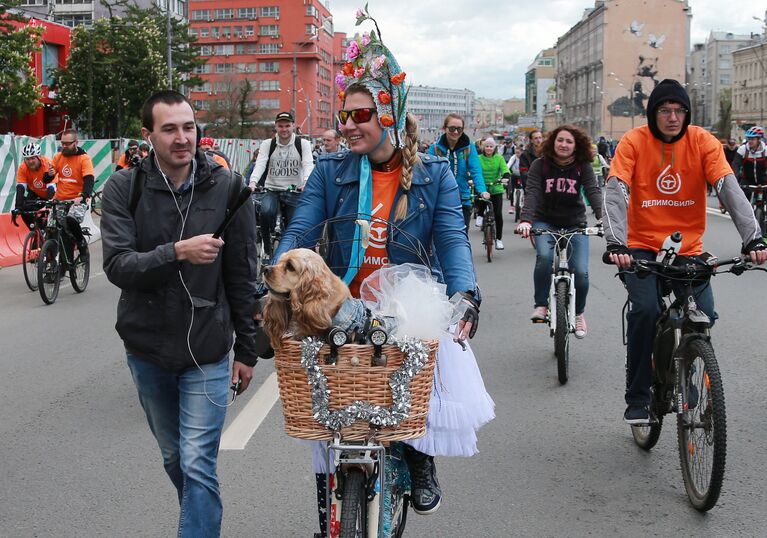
[[409, 160]]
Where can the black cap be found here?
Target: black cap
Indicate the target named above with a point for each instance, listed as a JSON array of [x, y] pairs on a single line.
[[132, 144], [285, 116], [667, 90]]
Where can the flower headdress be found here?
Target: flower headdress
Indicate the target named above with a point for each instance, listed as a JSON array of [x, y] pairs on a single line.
[[371, 64]]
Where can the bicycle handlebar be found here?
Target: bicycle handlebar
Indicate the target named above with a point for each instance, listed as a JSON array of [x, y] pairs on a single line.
[[567, 232], [691, 271]]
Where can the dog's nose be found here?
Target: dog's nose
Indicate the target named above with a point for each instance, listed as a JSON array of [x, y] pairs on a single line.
[[267, 269]]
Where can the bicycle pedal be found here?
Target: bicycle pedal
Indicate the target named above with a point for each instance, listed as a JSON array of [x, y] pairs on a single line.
[[544, 320]]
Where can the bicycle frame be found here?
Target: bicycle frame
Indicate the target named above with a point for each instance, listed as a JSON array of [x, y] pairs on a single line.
[[560, 270]]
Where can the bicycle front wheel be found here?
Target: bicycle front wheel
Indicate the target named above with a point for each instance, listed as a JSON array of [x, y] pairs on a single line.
[[354, 505], [81, 270], [48, 271], [646, 435], [489, 235], [562, 333], [517, 204], [31, 253], [702, 428], [96, 204]]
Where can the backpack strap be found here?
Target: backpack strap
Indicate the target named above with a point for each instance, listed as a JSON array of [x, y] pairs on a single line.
[[137, 179], [299, 147], [272, 147]]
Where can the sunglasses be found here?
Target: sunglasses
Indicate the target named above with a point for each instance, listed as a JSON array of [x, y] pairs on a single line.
[[358, 115], [454, 129]]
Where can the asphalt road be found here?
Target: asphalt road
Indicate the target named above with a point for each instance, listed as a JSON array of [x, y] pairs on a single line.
[[79, 460]]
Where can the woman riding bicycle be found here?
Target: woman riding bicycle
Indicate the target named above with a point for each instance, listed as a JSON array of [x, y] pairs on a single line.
[[496, 175], [553, 201], [384, 176], [464, 162]]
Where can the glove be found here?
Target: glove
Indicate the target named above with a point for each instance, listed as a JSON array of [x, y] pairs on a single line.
[[472, 311], [614, 248], [754, 246], [15, 213]]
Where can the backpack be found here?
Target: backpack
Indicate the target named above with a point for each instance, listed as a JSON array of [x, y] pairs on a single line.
[[272, 147], [138, 178]]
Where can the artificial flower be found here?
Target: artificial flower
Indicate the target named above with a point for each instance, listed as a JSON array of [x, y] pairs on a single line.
[[341, 81], [352, 51], [359, 72], [360, 14], [384, 97], [398, 78], [386, 120], [365, 39], [348, 69], [379, 62], [341, 95]]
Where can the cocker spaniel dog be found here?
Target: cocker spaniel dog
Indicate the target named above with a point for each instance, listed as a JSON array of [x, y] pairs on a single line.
[[304, 296]]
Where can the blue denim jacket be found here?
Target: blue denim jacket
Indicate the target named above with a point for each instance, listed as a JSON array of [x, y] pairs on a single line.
[[433, 217]]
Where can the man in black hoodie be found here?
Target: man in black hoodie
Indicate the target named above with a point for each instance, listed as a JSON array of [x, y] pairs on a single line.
[[657, 186]]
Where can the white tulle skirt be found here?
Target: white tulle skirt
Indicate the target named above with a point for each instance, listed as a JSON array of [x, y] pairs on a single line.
[[459, 406]]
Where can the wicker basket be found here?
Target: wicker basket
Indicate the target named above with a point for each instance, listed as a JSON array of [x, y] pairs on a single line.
[[348, 383]]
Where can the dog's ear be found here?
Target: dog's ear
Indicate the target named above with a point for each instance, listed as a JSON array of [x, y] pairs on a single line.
[[312, 301], [276, 320]]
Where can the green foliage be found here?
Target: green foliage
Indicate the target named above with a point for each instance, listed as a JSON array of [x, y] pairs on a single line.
[[119, 62], [725, 113], [19, 90]]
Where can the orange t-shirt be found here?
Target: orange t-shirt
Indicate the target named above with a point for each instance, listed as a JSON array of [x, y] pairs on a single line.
[[385, 186], [71, 170], [33, 179], [219, 159], [667, 185]]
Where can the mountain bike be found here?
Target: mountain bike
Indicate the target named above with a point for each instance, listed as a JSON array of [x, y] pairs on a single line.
[[33, 241], [281, 224], [757, 203], [96, 203], [53, 261], [686, 377], [488, 228], [561, 318]]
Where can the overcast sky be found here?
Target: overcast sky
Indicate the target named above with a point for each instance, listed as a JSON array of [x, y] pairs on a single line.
[[456, 44]]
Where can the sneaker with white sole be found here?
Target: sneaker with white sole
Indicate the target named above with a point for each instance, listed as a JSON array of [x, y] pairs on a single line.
[[498, 244], [580, 326], [478, 222], [636, 415], [541, 313]]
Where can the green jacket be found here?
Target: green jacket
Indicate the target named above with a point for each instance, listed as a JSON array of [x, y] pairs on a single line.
[[493, 169]]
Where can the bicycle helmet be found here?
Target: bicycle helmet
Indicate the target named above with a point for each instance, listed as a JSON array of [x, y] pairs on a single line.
[[755, 132], [31, 150]]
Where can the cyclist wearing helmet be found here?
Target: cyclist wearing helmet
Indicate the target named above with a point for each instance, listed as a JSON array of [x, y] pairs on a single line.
[[750, 163], [35, 180]]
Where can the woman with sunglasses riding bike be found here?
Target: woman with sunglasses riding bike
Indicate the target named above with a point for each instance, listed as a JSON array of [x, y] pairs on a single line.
[[462, 155], [384, 177]]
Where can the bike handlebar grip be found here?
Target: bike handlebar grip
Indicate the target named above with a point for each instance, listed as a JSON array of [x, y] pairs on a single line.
[[606, 258]]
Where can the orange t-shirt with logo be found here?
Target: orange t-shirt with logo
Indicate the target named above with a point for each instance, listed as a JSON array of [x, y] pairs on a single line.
[[667, 185], [71, 170], [385, 186], [33, 179]]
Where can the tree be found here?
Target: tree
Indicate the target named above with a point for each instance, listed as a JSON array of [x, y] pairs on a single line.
[[19, 89], [233, 113], [119, 62], [725, 113]]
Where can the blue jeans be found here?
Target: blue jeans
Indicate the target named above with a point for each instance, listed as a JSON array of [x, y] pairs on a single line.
[[644, 311], [188, 428], [267, 217], [579, 265]]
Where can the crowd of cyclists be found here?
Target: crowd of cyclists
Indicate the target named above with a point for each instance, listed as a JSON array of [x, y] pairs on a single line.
[[563, 173]]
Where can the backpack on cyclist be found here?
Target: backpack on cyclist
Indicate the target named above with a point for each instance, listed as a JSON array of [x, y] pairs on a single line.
[[272, 147]]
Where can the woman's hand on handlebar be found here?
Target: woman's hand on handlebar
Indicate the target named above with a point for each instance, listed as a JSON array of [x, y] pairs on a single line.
[[485, 195], [523, 229]]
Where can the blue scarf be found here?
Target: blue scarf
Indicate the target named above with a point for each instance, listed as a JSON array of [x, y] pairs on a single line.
[[364, 208]]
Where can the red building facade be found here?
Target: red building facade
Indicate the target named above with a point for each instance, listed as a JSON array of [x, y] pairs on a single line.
[[285, 48], [47, 119]]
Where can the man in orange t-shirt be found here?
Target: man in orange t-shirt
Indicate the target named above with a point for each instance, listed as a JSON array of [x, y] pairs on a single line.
[[35, 180], [656, 186], [76, 178]]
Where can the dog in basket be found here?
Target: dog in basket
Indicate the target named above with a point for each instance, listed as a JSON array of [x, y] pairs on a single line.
[[307, 299]]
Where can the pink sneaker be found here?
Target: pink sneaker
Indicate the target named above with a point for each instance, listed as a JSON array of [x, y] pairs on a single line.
[[580, 326], [541, 313]]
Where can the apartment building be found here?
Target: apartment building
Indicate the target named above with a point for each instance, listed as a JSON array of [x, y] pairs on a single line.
[[430, 105], [749, 88], [719, 49], [540, 78], [76, 12]]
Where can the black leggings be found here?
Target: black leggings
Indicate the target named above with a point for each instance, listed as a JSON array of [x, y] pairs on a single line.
[[497, 200], [466, 216]]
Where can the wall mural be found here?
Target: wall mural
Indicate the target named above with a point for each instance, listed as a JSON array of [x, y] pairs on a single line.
[[644, 78]]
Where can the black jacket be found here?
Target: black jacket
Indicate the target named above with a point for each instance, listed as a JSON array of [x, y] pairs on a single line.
[[525, 161], [154, 313]]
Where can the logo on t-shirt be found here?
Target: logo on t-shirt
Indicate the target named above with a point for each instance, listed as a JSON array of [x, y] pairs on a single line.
[[668, 183], [38, 184], [66, 171]]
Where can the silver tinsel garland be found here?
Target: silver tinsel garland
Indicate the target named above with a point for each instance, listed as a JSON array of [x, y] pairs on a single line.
[[416, 355]]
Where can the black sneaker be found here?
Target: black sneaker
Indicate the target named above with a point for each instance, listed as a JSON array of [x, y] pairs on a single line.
[[426, 494], [637, 415]]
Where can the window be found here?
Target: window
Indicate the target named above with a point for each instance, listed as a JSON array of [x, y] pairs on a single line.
[[323, 72], [200, 14], [246, 13], [34, 2], [50, 62], [724, 64], [724, 79], [270, 104], [271, 11], [269, 29], [215, 32], [225, 13], [240, 48], [221, 86], [204, 32], [226, 31], [224, 50], [237, 31], [199, 104], [75, 20], [224, 68], [206, 50], [311, 29], [193, 32], [311, 11], [201, 69], [269, 85], [269, 67], [252, 49], [268, 48], [249, 31]]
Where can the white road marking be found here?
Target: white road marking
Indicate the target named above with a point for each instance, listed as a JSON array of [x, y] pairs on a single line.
[[245, 424], [718, 213]]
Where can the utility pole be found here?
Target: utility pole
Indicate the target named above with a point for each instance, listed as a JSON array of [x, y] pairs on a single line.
[[169, 39]]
